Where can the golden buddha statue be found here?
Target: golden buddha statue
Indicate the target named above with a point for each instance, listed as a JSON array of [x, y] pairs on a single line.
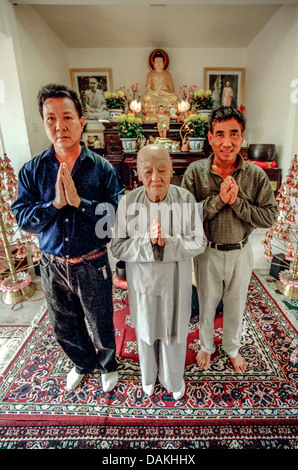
[[159, 87]]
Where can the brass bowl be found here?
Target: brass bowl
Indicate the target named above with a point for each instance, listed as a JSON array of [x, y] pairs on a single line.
[[261, 152]]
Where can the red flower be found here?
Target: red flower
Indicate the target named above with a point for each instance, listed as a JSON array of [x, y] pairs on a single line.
[[241, 108]]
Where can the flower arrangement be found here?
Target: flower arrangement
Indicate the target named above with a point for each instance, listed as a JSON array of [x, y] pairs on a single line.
[[132, 93], [202, 99], [129, 126], [187, 92], [241, 108], [196, 125], [115, 100]]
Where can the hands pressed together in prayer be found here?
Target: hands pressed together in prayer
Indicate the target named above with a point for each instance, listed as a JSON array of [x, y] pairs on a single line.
[[156, 234], [228, 190], [66, 192]]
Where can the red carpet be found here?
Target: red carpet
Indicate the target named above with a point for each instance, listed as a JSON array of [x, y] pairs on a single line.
[[221, 409]]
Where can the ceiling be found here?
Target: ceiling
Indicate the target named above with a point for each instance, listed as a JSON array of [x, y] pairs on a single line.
[[170, 24]]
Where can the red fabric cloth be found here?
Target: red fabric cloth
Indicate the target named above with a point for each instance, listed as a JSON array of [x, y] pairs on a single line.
[[263, 164]]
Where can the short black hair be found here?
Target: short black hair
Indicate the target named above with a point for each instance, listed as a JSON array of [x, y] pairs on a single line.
[[225, 113], [53, 90]]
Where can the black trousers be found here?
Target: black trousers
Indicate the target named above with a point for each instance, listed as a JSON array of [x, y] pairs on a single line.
[[76, 293]]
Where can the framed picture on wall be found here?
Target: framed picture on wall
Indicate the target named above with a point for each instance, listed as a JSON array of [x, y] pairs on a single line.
[[226, 84], [91, 84]]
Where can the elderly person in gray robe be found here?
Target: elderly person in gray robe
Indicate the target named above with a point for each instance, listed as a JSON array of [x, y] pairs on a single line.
[[158, 230]]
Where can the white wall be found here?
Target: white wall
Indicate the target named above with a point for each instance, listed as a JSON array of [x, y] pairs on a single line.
[[3, 22], [131, 65], [13, 129], [270, 67], [45, 60], [14, 138]]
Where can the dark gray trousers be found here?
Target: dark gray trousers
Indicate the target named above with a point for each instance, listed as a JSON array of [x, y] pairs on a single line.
[[76, 293]]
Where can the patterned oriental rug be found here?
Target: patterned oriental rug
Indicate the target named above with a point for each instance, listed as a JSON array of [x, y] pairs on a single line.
[[221, 409]]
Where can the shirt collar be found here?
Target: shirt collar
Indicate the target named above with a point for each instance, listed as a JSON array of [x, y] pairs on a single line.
[[240, 164], [85, 153]]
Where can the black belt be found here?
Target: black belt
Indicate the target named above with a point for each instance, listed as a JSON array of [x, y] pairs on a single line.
[[228, 247]]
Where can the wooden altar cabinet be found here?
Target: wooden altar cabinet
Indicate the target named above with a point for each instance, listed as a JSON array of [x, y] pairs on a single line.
[[126, 162]]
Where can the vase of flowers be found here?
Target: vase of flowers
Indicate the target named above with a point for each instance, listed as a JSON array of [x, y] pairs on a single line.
[[186, 92], [202, 100], [196, 144], [195, 129], [131, 93], [129, 129], [132, 97], [115, 103]]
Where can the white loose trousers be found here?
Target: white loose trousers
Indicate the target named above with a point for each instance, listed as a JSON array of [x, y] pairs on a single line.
[[165, 361], [223, 275]]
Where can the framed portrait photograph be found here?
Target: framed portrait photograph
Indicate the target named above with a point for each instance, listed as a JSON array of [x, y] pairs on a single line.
[[226, 84], [91, 84]]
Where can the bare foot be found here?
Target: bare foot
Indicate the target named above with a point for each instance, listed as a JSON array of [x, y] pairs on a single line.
[[203, 359], [239, 363]]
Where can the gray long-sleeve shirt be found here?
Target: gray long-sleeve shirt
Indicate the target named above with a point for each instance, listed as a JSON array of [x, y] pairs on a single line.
[[254, 207]]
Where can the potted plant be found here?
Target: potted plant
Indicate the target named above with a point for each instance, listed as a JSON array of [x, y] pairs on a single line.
[[202, 99], [195, 128], [115, 103], [130, 129]]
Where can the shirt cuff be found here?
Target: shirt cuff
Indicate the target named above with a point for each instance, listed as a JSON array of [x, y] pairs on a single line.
[[86, 207], [50, 208], [236, 204], [150, 250], [218, 202]]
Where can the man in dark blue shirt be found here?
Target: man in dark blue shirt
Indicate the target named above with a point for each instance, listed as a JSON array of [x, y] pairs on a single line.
[[62, 195]]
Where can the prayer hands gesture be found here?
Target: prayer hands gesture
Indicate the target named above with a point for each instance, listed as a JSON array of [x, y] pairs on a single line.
[[228, 190], [156, 234], [66, 192]]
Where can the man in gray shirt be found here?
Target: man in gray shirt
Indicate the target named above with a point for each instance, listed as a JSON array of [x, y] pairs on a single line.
[[237, 198]]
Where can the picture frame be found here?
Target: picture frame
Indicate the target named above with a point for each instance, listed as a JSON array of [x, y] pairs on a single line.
[[216, 80], [90, 84]]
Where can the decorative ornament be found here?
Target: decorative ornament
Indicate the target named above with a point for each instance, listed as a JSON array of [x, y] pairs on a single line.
[[283, 236], [15, 254]]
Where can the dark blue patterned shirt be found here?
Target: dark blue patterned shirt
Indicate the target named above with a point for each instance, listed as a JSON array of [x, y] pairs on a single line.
[[69, 231]]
